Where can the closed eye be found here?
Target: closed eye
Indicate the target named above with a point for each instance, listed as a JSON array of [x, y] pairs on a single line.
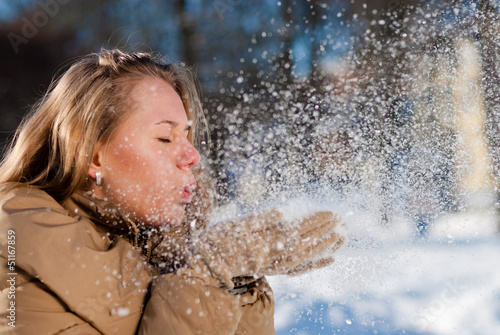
[[164, 140]]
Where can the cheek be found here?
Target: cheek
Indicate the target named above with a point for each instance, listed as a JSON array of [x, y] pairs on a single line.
[[152, 168], [131, 158], [122, 156]]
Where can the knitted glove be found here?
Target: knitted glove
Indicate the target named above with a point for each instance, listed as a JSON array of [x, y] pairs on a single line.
[[322, 259], [262, 245]]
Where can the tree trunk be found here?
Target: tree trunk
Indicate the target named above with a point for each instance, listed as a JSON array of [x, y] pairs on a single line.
[[488, 23]]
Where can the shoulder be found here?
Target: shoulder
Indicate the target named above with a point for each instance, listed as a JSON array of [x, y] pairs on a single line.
[[27, 198], [38, 220], [28, 206]]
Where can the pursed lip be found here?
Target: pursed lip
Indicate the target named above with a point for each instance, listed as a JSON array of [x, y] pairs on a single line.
[[187, 193]]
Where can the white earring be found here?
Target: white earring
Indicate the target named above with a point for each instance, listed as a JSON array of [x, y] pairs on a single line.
[[98, 178]]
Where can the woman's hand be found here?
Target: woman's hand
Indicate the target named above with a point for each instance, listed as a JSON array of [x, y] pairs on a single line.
[[263, 244]]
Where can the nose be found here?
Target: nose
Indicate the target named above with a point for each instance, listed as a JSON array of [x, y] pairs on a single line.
[[188, 156]]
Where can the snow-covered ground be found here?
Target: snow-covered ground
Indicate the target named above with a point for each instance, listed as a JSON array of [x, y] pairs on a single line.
[[387, 281]]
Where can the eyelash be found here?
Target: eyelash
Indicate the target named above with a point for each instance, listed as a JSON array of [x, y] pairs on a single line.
[[164, 140]]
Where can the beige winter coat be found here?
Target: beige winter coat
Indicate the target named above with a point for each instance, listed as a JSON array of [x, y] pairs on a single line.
[[78, 272]]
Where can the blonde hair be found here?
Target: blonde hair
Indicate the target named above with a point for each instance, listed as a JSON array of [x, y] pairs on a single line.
[[53, 147]]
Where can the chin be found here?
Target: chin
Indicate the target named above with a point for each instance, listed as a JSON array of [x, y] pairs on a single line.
[[171, 219]]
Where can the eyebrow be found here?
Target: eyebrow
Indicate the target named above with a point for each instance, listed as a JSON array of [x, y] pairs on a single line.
[[173, 124]]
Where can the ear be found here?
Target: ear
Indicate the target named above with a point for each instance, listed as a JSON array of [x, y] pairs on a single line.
[[96, 162]]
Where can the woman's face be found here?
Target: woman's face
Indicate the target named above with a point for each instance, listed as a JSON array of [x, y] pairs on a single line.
[[146, 165]]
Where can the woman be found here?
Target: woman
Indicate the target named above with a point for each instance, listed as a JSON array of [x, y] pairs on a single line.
[[94, 229]]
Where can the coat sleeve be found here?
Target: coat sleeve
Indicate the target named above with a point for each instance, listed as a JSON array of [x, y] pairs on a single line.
[[187, 304], [258, 310], [79, 279]]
